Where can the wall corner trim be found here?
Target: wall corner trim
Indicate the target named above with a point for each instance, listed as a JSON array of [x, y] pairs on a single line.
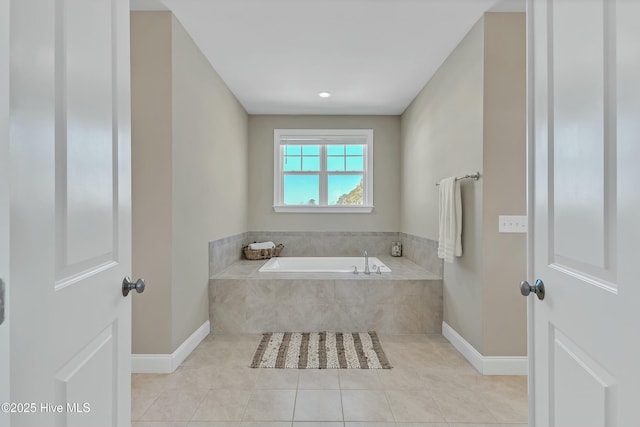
[[167, 363], [486, 365]]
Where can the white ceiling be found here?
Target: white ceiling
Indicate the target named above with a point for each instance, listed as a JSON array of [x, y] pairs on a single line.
[[374, 56]]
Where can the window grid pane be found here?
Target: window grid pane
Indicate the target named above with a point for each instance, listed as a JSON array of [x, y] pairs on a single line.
[[311, 150], [345, 189], [301, 158], [311, 163], [355, 150], [354, 163], [292, 150], [301, 189], [323, 174], [335, 163], [292, 163], [335, 150]]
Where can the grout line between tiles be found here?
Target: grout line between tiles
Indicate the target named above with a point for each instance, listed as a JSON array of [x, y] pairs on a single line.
[[295, 400], [341, 400], [198, 406]]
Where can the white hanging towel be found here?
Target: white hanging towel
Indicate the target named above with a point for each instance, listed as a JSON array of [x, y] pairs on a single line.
[[450, 234]]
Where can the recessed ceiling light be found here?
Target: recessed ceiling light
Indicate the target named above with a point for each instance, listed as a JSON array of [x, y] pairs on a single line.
[[324, 94]]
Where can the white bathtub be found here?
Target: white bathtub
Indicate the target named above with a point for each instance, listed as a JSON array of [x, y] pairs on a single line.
[[321, 265]]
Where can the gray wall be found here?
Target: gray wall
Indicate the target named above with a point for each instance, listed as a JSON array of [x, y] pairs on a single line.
[[386, 157], [504, 183], [471, 117], [442, 136], [189, 170], [151, 179], [209, 177]]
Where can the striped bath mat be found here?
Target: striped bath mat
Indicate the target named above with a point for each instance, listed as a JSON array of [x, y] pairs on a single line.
[[320, 350]]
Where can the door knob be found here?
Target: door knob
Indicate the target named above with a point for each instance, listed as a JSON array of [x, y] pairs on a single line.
[[537, 288], [128, 286]]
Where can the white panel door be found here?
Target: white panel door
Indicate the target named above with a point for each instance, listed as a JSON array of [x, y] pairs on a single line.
[[4, 209], [585, 202], [70, 212]]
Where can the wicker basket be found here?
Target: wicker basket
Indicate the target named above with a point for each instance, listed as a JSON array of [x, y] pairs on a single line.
[[262, 253]]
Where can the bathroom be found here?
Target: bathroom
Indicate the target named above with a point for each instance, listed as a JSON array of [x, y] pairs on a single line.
[[203, 187]]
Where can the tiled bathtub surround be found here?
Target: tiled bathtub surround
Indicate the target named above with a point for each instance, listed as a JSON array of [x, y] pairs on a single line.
[[423, 252], [330, 243], [408, 300], [224, 252]]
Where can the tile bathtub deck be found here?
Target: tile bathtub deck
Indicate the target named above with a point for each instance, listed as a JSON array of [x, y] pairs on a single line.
[[407, 300], [401, 269], [431, 385]]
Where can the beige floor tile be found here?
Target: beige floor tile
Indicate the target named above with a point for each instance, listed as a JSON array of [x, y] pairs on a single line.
[[270, 405], [463, 406], [159, 424], [233, 378], [188, 377], [426, 425], [219, 357], [277, 379], [317, 424], [265, 424], [318, 379], [245, 343], [173, 405], [139, 405], [430, 382], [443, 365], [369, 424], [510, 410], [401, 379], [485, 425], [503, 386], [416, 353], [413, 406], [145, 389], [439, 381], [505, 397], [474, 425], [365, 405], [148, 384], [318, 405], [222, 405], [404, 338], [236, 338], [213, 424], [438, 338], [359, 379]]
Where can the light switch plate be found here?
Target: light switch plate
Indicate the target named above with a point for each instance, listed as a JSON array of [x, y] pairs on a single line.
[[512, 224]]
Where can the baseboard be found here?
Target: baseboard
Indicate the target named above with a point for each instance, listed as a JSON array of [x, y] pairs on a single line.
[[486, 365], [167, 363], [506, 365]]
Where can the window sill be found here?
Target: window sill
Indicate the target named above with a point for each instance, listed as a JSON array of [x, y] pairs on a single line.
[[323, 209]]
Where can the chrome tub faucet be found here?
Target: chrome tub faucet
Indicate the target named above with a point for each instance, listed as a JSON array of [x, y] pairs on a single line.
[[366, 263]]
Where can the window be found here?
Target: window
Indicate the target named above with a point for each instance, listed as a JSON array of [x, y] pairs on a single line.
[[323, 170]]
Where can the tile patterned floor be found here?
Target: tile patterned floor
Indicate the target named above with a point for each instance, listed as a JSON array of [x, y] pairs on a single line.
[[431, 385]]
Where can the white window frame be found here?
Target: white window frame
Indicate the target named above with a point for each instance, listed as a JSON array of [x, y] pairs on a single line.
[[322, 137]]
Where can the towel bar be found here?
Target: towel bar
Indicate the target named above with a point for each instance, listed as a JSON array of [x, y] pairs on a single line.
[[474, 176]]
